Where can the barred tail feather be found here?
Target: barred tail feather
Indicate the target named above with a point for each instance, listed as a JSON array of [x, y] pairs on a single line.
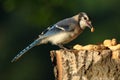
[[36, 42]]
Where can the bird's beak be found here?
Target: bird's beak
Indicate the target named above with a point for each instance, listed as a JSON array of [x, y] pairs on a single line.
[[90, 26]]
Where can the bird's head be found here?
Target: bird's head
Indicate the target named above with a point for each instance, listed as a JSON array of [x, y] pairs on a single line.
[[84, 21]]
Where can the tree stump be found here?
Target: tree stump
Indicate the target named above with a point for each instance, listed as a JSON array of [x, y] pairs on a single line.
[[90, 62]]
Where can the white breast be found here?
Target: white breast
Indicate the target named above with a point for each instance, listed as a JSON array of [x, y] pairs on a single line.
[[57, 38]]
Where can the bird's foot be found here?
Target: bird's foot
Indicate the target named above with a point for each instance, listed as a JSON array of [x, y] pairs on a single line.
[[62, 47]]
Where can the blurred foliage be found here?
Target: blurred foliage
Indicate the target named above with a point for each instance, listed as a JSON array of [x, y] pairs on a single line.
[[21, 21]]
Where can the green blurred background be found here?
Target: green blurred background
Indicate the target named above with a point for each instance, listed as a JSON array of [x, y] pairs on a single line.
[[21, 21]]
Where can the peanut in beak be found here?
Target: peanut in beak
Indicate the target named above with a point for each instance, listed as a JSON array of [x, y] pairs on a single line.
[[92, 29]]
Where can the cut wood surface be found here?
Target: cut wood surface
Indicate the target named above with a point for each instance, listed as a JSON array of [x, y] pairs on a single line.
[[90, 62]]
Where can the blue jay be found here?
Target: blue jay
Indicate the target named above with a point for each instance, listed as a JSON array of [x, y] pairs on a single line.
[[61, 33]]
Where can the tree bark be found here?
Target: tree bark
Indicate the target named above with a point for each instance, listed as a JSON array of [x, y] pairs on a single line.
[[96, 63]]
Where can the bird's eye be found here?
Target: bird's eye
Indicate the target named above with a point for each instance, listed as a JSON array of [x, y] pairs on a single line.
[[85, 18]]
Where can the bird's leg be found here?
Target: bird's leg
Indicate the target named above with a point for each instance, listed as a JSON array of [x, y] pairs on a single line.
[[61, 46]]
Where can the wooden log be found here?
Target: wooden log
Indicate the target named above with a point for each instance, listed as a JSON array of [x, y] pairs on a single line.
[[101, 63]]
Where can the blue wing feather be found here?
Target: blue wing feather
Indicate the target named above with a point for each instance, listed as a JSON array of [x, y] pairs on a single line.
[[52, 31], [66, 25]]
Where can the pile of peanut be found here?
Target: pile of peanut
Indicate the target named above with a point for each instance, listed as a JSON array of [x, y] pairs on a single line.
[[110, 44]]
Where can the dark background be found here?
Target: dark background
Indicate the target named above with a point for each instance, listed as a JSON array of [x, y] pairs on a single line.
[[21, 21]]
